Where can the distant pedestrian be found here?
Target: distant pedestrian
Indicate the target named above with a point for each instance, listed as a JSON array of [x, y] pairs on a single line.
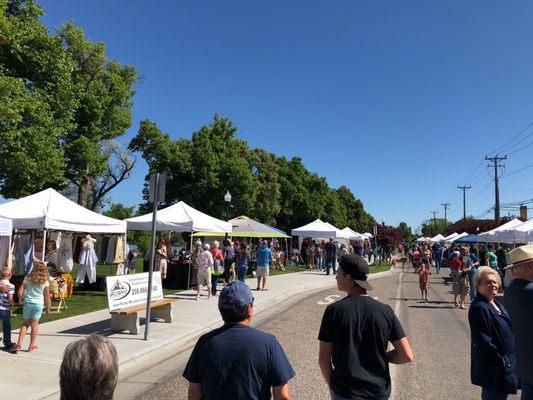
[[423, 278], [437, 255], [491, 257], [461, 265], [331, 251], [6, 302], [493, 350], [519, 302], [354, 336], [358, 249], [205, 267], [89, 370], [474, 266], [34, 293], [218, 266], [264, 256], [237, 361], [417, 255], [229, 260], [161, 257], [242, 260]]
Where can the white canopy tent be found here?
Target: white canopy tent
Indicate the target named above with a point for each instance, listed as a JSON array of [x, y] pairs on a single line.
[[421, 239], [522, 233], [449, 238], [437, 238], [353, 235], [368, 235], [458, 236], [50, 210], [6, 227], [493, 234], [179, 217], [319, 229]]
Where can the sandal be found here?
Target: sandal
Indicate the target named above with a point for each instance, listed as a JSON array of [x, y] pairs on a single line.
[[32, 348]]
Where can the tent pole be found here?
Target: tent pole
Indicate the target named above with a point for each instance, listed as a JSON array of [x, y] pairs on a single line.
[[190, 265], [125, 257], [44, 245]]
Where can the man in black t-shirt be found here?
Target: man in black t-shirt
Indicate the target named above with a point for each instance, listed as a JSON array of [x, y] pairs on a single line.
[[354, 336]]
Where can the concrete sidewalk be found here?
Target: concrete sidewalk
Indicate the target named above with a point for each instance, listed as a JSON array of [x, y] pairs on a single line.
[[36, 375]]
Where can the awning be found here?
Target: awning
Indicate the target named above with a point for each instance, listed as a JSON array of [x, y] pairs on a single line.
[[246, 227], [6, 227], [319, 229]]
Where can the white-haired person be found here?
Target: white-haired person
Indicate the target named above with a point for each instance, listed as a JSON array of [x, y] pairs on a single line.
[[205, 265], [493, 349], [89, 370], [519, 301]]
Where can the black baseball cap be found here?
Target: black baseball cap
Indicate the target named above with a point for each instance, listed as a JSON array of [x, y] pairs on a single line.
[[357, 267]]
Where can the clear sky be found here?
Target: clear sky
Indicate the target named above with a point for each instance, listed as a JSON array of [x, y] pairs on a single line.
[[400, 101]]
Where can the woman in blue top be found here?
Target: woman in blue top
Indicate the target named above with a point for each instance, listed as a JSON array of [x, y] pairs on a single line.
[[493, 349]]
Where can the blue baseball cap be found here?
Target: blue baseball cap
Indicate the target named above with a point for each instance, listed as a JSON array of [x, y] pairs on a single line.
[[235, 295]]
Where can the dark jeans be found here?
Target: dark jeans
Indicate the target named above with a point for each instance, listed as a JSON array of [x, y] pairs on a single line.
[[437, 265], [227, 267], [487, 394], [214, 280], [241, 273], [527, 390], [330, 263], [5, 315]]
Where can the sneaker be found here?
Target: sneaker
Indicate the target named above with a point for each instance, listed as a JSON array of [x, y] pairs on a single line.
[[12, 348]]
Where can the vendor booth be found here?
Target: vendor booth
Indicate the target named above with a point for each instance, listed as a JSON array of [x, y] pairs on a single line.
[[449, 238], [353, 235], [437, 239], [457, 237], [320, 230], [522, 233], [47, 215], [6, 228], [179, 217], [493, 236]]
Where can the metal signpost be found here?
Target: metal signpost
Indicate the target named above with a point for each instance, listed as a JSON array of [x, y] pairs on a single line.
[[157, 194]]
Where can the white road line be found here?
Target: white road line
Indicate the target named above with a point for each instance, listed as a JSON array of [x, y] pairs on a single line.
[[396, 311]]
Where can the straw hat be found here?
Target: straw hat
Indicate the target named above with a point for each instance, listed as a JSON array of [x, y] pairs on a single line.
[[520, 255]]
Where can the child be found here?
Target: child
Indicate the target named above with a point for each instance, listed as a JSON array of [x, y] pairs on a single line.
[[423, 278], [6, 301], [33, 293]]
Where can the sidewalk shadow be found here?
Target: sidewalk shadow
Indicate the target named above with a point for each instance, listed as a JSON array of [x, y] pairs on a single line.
[[402, 298], [100, 327], [185, 296], [436, 307]]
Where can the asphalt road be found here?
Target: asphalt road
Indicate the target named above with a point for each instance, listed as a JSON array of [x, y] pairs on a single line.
[[438, 332]]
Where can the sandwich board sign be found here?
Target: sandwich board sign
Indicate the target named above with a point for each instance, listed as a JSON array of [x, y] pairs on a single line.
[[131, 290]]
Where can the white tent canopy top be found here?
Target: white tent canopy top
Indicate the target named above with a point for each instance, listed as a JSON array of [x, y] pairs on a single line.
[[6, 226], [319, 229], [519, 234], [449, 238], [179, 217], [437, 238], [50, 210], [353, 235], [459, 236], [493, 234]]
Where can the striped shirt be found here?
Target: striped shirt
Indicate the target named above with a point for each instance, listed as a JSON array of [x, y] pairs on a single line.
[[4, 297]]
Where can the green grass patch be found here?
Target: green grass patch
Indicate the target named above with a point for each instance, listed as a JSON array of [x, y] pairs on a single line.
[[374, 268], [288, 270]]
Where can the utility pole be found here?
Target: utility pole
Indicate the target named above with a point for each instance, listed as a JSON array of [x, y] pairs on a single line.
[[464, 189], [495, 160], [434, 216], [445, 205]]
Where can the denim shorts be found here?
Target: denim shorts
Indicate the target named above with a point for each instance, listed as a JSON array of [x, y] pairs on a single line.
[[32, 311], [262, 271]]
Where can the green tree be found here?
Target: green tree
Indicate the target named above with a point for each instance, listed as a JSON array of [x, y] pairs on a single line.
[[432, 227], [36, 99], [120, 211], [407, 232]]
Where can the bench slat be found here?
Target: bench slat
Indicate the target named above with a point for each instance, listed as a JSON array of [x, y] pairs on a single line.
[[136, 309]]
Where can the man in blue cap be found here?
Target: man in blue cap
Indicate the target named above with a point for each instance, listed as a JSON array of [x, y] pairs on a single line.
[[237, 361]]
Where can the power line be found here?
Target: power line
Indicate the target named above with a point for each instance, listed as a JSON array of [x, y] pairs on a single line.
[[445, 205], [500, 149], [518, 171]]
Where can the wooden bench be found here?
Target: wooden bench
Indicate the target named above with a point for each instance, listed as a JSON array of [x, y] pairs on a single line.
[[126, 319]]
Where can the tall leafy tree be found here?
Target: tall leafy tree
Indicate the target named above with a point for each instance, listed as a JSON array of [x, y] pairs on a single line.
[[36, 100]]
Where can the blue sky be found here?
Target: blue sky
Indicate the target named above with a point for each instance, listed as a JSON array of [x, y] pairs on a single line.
[[400, 101]]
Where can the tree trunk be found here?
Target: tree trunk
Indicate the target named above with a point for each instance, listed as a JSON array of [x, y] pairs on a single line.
[[83, 192]]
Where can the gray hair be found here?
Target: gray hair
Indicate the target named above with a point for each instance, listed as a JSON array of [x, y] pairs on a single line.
[[89, 370], [216, 243], [482, 272], [207, 246]]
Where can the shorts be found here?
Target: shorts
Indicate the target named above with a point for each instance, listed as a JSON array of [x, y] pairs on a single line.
[[32, 311], [423, 285], [204, 276], [461, 285], [262, 271]]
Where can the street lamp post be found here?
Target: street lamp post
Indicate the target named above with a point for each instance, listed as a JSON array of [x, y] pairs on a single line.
[[227, 199]]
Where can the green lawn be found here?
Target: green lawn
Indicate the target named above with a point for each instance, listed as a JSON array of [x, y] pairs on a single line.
[[379, 268]]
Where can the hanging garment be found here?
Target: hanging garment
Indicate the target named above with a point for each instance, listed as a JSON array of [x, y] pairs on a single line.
[[110, 256], [4, 251], [24, 254], [88, 260], [119, 251], [65, 258]]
